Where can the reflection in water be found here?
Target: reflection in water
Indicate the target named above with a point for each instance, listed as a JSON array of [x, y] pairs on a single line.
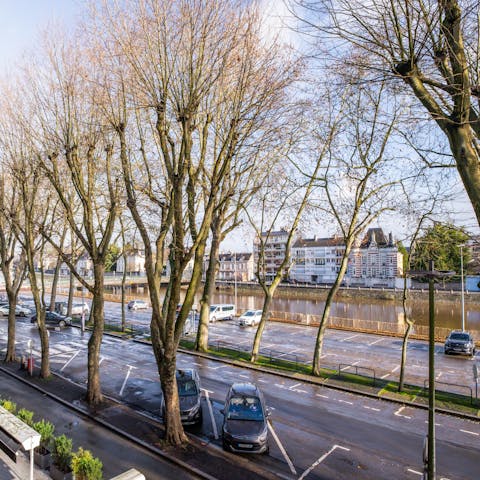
[[447, 314]]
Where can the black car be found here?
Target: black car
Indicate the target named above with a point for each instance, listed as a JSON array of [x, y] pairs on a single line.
[[53, 318], [189, 396], [245, 427], [460, 342]]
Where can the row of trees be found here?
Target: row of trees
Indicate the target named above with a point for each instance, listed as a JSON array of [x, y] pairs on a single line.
[[177, 121]]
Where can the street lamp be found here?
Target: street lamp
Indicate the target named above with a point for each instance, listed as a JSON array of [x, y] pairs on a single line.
[[235, 277], [431, 274], [463, 293]]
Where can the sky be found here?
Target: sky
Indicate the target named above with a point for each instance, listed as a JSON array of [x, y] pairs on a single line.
[[22, 20]]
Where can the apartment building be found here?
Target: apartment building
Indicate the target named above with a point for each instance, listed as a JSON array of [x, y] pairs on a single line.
[[237, 266], [373, 261]]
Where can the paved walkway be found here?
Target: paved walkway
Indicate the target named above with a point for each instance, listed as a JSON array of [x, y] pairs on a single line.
[[20, 470]]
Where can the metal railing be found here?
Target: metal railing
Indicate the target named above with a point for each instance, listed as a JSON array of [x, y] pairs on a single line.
[[347, 366], [461, 387]]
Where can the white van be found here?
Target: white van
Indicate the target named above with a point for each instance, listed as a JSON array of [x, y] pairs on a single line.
[[222, 312]]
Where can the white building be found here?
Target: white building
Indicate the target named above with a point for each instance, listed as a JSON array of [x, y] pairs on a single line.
[[316, 260], [236, 266], [274, 245], [134, 261], [373, 261]]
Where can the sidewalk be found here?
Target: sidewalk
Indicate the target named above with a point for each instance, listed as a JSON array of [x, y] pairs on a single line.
[[20, 470]]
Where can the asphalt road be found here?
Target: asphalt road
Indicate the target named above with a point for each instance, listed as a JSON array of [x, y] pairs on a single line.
[[316, 433]]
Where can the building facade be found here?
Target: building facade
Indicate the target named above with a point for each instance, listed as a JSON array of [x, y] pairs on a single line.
[[373, 261], [236, 266], [274, 246]]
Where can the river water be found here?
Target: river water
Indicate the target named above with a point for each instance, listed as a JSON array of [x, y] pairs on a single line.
[[447, 314]]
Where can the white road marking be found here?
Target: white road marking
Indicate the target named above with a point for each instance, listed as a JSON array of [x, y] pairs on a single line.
[[294, 386], [439, 375], [386, 375], [101, 360], [349, 338], [66, 364], [216, 368], [348, 366], [436, 424], [376, 341], [414, 471], [345, 401], [282, 449], [261, 380], [126, 378], [244, 376], [471, 433], [398, 413], [322, 396], [371, 408], [320, 460], [210, 409]]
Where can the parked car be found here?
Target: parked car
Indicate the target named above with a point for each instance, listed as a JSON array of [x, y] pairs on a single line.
[[189, 395], [137, 305], [222, 312], [20, 310], [250, 318], [245, 416], [79, 308], [61, 308], [459, 341], [53, 318]]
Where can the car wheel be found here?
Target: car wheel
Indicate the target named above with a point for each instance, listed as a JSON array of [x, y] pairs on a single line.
[[62, 323], [267, 451], [213, 319], [225, 446]]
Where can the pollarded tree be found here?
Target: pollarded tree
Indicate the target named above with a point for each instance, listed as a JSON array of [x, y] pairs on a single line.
[[429, 47], [175, 67]]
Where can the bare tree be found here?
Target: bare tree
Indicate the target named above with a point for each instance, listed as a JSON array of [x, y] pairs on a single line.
[[179, 63], [359, 180], [77, 157], [431, 46]]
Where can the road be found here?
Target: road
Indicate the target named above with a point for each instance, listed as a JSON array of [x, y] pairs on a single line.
[[316, 433]]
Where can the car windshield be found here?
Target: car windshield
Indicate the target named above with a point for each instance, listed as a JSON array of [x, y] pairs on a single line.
[[213, 308], [459, 336], [187, 388], [245, 408], [250, 313]]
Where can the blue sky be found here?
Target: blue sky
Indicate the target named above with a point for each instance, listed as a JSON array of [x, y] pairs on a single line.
[[21, 20]]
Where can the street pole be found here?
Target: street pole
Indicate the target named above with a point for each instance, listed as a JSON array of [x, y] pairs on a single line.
[[82, 329], [463, 294], [431, 374], [235, 277]]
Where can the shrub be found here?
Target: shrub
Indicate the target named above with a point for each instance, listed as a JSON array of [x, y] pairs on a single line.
[[25, 416], [85, 466], [62, 453], [9, 405], [45, 429]]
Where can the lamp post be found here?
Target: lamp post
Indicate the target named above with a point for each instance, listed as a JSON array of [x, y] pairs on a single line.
[[463, 293], [235, 278], [431, 274]]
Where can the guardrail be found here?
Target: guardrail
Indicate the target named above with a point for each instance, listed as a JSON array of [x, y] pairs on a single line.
[[462, 387], [357, 368]]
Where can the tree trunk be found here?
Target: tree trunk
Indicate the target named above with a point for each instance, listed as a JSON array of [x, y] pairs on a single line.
[[55, 283], [326, 310], [71, 290], [409, 323], [174, 434], [12, 301], [261, 326], [94, 392], [462, 144], [208, 289]]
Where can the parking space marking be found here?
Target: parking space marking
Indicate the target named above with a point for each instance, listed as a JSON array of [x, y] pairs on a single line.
[[471, 433], [130, 367], [281, 447], [390, 373], [376, 341], [399, 414], [348, 366], [345, 401], [350, 337], [210, 410], [321, 396], [371, 408], [414, 471], [320, 460], [261, 380], [67, 363], [244, 376]]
